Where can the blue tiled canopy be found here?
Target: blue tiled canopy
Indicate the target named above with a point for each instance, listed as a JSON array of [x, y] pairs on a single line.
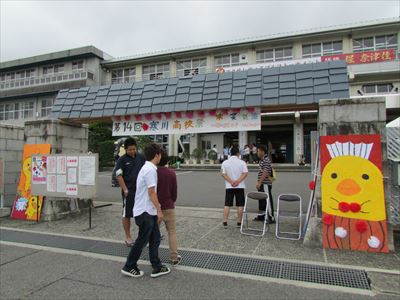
[[289, 85]]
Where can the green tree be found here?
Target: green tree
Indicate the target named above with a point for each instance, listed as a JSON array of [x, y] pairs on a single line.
[[142, 141], [99, 132]]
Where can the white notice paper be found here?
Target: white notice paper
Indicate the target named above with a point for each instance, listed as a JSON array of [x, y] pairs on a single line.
[[71, 175], [51, 164], [51, 183], [87, 170], [72, 189], [72, 161], [61, 182], [61, 165]]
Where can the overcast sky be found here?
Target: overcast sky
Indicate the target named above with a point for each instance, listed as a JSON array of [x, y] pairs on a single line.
[[123, 28]]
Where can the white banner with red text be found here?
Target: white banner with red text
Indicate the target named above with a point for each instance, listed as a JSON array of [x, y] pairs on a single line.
[[221, 120]]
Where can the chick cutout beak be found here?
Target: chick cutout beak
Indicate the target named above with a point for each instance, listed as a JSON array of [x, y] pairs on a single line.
[[348, 187]]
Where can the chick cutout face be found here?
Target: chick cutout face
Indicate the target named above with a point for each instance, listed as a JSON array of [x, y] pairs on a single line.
[[352, 187], [26, 168]]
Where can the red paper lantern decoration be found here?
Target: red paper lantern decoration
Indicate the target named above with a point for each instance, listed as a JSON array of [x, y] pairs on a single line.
[[178, 114], [200, 113], [138, 117], [159, 116], [117, 118], [189, 114], [167, 115], [148, 117], [236, 110], [225, 112], [127, 118], [250, 109], [361, 226], [311, 185], [212, 113], [327, 219]]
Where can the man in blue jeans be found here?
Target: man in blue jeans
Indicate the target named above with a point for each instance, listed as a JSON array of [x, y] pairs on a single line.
[[148, 215]]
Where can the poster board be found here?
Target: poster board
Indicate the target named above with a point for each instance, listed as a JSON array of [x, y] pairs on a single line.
[[353, 200], [27, 204], [65, 175]]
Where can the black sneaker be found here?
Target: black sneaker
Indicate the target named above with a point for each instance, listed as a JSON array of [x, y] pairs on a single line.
[[225, 224], [134, 272], [271, 220], [163, 270], [238, 224], [259, 218], [177, 261]]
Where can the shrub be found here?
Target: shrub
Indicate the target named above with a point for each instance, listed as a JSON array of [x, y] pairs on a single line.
[[212, 155], [106, 153]]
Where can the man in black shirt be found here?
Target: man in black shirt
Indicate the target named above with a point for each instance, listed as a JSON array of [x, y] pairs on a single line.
[[126, 172]]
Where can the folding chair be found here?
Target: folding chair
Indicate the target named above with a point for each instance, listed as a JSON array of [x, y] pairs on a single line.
[[254, 231], [286, 214]]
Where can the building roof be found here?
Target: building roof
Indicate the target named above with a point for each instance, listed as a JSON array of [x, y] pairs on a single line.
[[252, 40], [289, 85], [54, 56]]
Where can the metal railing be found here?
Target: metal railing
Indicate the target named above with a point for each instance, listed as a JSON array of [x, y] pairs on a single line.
[[49, 79]]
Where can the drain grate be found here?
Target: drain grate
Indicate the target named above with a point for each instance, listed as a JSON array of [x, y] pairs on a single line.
[[219, 262]]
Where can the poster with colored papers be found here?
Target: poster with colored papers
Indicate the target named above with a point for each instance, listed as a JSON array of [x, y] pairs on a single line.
[[26, 205]]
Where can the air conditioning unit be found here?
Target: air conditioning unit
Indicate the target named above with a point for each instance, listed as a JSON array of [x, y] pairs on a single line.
[[243, 58]]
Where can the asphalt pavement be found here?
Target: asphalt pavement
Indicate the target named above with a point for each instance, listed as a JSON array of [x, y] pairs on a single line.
[[29, 273], [207, 188]]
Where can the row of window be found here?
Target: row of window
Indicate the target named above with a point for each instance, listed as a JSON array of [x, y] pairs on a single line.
[[77, 66], [24, 110], [198, 66], [381, 88]]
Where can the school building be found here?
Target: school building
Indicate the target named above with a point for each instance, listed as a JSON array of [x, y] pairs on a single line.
[[266, 90]]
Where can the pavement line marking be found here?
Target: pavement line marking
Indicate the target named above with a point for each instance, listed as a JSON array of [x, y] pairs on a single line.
[[258, 245], [302, 284], [325, 256], [208, 232], [180, 173], [351, 267]]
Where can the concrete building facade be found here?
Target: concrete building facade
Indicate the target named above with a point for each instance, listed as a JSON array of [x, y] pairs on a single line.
[[370, 49]]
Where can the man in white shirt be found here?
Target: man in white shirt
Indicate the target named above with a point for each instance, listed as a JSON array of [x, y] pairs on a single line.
[[148, 215], [234, 171]]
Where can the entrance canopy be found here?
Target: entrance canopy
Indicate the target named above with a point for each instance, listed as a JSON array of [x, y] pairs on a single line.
[[271, 89]]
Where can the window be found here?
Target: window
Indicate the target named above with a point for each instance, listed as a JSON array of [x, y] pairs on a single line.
[[46, 107], [191, 67], [375, 43], [158, 71], [275, 54], [123, 75], [228, 60], [321, 49], [25, 74], [56, 69], [77, 66], [381, 88], [160, 139], [14, 111]]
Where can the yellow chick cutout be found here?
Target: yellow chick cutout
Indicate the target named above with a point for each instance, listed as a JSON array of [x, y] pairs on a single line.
[[353, 206]]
